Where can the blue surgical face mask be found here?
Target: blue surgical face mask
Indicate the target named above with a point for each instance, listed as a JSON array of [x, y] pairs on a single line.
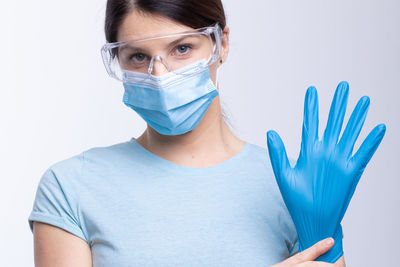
[[173, 103]]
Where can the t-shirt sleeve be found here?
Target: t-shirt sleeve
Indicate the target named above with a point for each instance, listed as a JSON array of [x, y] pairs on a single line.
[[56, 201]]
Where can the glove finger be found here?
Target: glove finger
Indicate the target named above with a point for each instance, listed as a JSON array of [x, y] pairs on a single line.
[[368, 148], [279, 160], [336, 114], [361, 159], [354, 126], [310, 121]]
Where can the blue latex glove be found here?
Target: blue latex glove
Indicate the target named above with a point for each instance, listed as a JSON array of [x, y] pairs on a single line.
[[318, 189]]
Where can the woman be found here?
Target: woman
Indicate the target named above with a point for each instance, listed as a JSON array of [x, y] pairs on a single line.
[[187, 192]]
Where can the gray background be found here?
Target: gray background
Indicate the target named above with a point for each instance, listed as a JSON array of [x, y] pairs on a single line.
[[56, 99]]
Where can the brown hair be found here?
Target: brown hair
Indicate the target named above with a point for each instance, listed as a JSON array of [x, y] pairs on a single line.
[[192, 13]]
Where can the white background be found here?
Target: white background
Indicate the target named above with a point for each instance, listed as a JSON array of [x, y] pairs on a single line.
[[56, 99]]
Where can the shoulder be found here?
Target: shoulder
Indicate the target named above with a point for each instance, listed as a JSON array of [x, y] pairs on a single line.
[[257, 148], [77, 161], [63, 183], [285, 225], [261, 153], [258, 154], [69, 171], [257, 166], [257, 161]]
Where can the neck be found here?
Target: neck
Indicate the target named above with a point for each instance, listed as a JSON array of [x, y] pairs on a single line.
[[210, 143]]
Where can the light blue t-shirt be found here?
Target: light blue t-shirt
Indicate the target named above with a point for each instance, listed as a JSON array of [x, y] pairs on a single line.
[[134, 208]]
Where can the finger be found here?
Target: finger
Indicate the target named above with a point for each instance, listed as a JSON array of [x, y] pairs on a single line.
[[310, 121], [277, 154], [354, 126], [312, 252], [336, 114], [368, 147]]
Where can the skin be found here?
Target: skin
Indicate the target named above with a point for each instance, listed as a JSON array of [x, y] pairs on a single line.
[[212, 133], [210, 143]]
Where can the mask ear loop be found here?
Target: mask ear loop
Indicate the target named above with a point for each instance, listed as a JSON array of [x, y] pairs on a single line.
[[216, 74], [219, 33], [216, 79]]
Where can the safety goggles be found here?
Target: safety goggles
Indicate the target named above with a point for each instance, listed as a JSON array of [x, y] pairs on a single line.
[[175, 51]]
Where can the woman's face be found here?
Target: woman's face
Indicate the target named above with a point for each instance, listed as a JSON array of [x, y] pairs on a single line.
[[138, 25]]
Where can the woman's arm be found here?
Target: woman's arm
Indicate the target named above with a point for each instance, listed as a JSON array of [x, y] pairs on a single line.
[[54, 246], [340, 262]]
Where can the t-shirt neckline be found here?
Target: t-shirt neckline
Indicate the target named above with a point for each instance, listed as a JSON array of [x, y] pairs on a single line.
[[230, 162]]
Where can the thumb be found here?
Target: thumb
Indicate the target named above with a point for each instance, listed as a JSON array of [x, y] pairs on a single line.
[[312, 252], [277, 155]]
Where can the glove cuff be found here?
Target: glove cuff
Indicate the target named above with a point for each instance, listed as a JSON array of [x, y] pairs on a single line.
[[334, 253]]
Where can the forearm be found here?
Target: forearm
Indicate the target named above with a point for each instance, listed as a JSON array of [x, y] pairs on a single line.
[[340, 262]]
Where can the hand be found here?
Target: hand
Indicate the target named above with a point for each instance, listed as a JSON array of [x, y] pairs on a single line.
[[318, 189], [306, 257]]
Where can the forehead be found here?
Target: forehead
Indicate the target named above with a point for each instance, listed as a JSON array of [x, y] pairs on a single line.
[[140, 25]]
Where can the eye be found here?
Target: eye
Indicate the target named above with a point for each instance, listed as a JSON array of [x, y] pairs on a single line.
[[138, 57], [183, 49]]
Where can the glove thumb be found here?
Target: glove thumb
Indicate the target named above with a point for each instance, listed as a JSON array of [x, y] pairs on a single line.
[[277, 154]]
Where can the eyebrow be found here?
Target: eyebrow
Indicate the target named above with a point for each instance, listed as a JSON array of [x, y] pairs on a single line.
[[134, 48], [173, 43]]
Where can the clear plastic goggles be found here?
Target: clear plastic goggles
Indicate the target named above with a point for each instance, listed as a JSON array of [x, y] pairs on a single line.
[[174, 51]]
